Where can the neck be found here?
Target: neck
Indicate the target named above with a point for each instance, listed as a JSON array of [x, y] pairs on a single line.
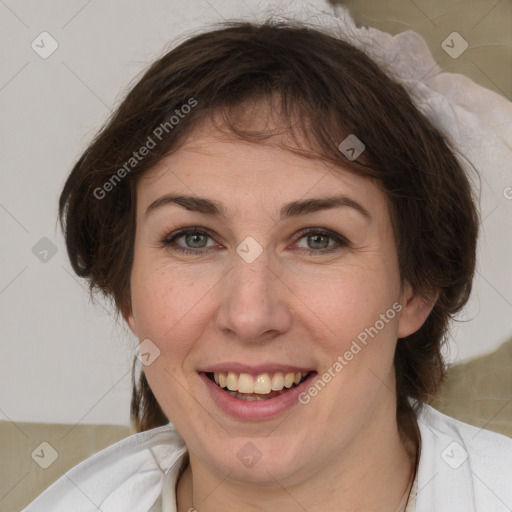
[[373, 473]]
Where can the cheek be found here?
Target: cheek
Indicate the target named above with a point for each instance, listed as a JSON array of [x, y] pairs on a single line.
[[359, 310], [350, 298], [169, 310], [170, 307]]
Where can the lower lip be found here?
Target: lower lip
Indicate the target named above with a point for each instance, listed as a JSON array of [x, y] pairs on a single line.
[[256, 409]]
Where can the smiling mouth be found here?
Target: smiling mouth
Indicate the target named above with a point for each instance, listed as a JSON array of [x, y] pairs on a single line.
[[263, 386]]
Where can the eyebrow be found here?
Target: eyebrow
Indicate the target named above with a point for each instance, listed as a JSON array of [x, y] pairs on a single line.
[[292, 209]]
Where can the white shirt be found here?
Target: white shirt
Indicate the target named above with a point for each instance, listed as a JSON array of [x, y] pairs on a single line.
[[461, 469]]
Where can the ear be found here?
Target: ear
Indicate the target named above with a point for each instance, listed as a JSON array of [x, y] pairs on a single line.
[[415, 310]]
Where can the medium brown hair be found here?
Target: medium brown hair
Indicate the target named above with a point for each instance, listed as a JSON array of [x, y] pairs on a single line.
[[323, 89]]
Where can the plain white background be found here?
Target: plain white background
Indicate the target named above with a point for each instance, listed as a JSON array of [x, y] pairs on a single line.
[[63, 358]]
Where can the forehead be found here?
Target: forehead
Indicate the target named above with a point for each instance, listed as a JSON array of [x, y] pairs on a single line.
[[249, 176]]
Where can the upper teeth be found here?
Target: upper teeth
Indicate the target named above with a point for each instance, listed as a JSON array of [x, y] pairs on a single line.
[[262, 384]]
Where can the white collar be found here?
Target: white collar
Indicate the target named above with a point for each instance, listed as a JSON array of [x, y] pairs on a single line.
[[454, 456], [139, 473], [127, 476]]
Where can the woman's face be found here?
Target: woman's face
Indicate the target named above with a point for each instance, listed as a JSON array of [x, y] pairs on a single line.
[[272, 284]]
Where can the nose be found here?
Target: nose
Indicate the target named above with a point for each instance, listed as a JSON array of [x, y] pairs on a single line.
[[255, 302]]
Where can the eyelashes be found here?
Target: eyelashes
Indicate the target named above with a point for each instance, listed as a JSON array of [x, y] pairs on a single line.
[[170, 240], [199, 235]]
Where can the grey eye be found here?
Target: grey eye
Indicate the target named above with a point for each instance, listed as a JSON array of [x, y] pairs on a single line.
[[195, 240]]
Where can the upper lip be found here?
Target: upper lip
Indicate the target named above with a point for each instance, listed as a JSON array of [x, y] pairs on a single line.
[[255, 369]]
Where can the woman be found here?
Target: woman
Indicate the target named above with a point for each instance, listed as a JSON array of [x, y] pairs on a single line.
[[288, 237]]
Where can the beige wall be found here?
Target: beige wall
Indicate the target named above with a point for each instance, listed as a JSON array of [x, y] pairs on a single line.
[[485, 24]]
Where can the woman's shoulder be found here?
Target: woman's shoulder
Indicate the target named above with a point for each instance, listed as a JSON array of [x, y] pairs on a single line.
[[462, 466], [480, 445], [127, 475]]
